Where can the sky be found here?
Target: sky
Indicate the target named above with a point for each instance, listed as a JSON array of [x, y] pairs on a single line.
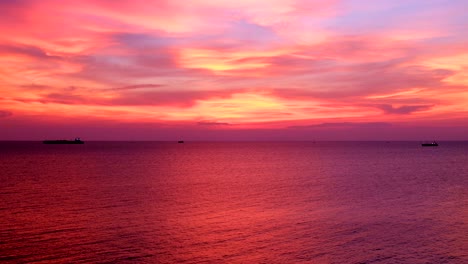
[[234, 70]]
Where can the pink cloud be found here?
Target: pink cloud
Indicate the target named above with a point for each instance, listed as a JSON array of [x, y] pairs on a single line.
[[5, 113], [404, 109], [212, 123]]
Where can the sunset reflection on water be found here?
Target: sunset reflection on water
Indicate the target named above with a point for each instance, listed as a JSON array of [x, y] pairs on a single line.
[[297, 202]]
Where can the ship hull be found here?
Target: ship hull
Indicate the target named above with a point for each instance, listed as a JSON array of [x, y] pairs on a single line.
[[430, 145], [62, 142]]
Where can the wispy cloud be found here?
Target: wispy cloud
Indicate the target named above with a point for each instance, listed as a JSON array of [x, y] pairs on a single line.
[[212, 123], [403, 109], [346, 125], [5, 113]]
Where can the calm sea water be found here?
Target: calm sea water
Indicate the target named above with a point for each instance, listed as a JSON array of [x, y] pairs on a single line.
[[296, 202]]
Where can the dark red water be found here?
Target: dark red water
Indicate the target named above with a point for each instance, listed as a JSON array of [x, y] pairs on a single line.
[[300, 202]]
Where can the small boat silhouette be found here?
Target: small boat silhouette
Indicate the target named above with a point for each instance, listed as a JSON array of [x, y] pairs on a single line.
[[180, 141], [63, 141], [431, 144]]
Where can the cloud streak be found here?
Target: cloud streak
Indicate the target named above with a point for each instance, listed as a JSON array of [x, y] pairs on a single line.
[[5, 113], [404, 109]]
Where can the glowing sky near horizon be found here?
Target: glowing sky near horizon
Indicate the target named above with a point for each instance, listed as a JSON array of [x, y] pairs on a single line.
[[232, 65]]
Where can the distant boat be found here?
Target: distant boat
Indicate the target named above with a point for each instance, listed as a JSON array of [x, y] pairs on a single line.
[[180, 141], [431, 144], [63, 141]]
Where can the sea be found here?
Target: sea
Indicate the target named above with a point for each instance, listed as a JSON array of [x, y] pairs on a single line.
[[234, 202]]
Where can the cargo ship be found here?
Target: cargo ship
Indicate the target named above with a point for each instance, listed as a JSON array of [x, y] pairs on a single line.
[[63, 141]]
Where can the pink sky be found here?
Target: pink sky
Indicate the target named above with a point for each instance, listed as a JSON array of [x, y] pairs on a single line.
[[234, 70]]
